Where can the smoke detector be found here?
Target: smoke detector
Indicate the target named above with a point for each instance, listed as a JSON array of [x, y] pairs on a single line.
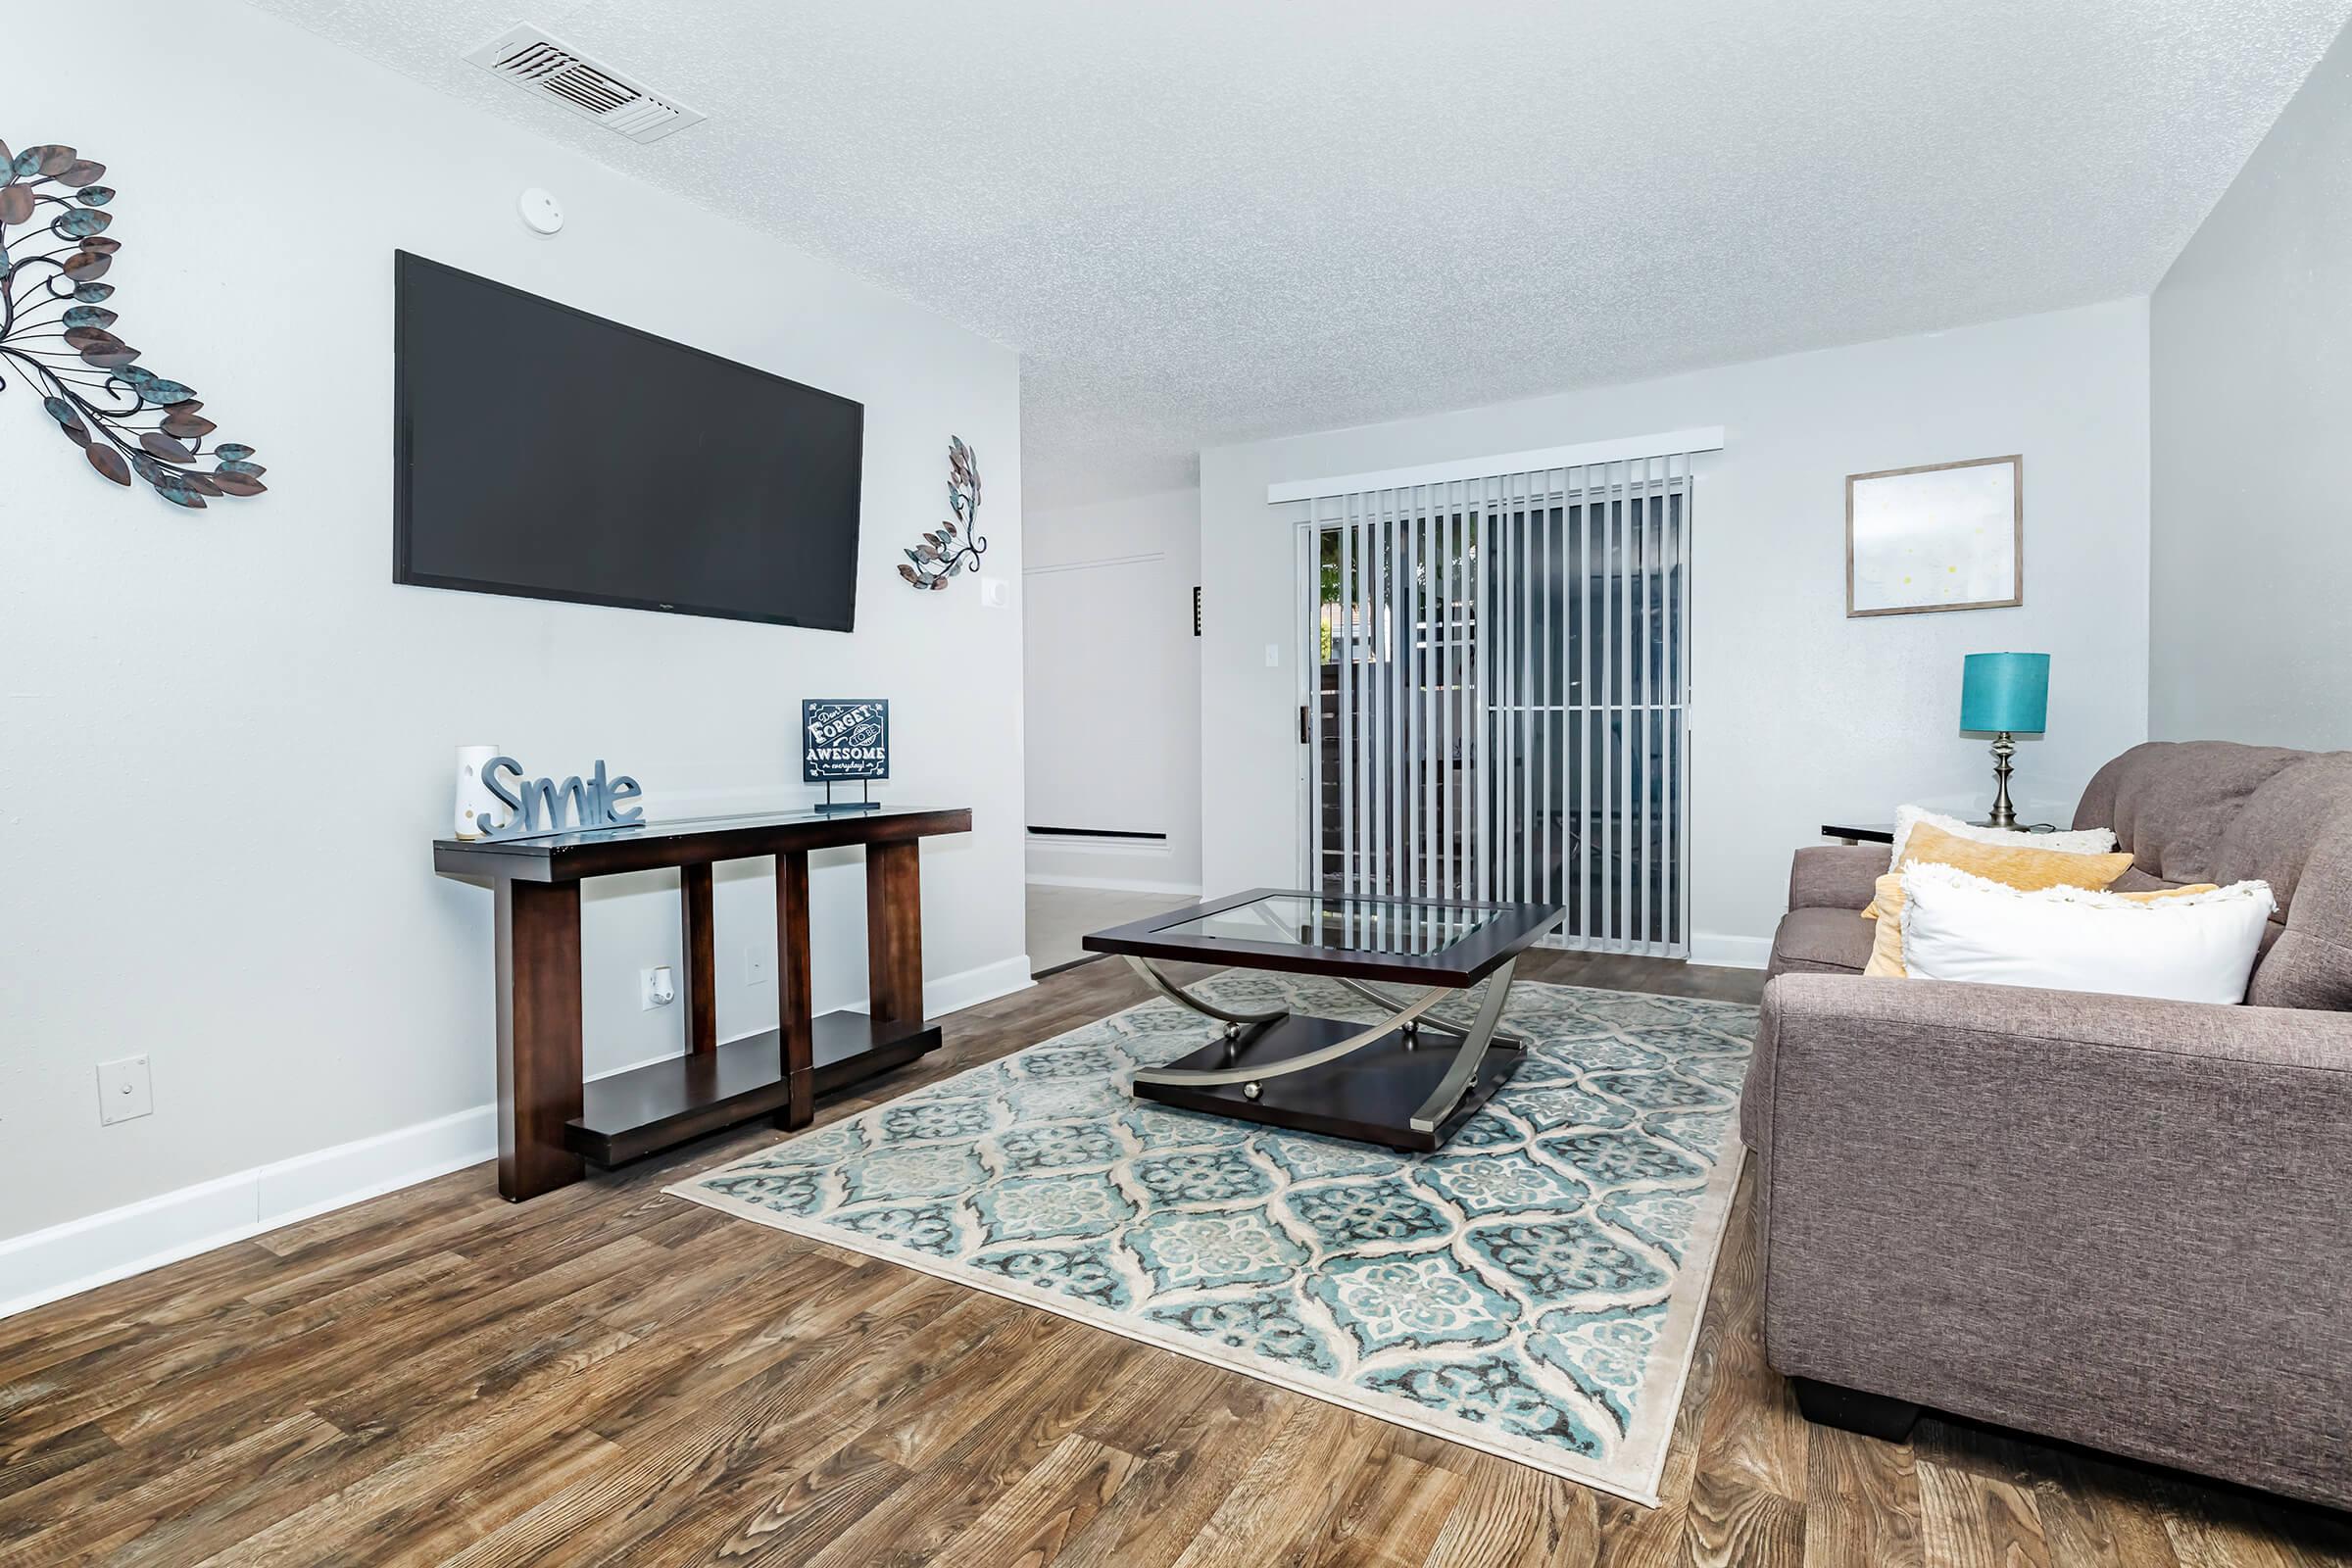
[[549, 68]]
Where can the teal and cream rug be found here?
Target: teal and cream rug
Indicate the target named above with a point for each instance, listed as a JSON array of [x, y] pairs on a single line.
[[1533, 1289]]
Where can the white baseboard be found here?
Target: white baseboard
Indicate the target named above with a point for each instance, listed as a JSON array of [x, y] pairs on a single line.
[[953, 993], [1113, 884], [97, 1249], [80, 1254], [1729, 951]]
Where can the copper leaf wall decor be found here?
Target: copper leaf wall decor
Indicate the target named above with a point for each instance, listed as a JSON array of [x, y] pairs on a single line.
[[944, 554], [56, 332]]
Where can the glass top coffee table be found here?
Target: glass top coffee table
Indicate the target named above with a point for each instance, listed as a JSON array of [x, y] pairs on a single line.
[[1384, 1083]]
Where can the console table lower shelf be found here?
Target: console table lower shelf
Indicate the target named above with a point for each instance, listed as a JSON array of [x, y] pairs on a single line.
[[646, 1110]]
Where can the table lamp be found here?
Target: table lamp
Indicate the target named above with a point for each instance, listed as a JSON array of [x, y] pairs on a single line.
[[2005, 695]]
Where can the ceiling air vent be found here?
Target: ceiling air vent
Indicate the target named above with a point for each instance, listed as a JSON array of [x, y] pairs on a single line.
[[544, 66]]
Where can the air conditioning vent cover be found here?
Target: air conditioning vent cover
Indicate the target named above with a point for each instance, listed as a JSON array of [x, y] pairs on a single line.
[[548, 68]]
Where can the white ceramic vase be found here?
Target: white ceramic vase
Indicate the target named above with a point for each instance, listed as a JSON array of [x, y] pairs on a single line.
[[479, 813]]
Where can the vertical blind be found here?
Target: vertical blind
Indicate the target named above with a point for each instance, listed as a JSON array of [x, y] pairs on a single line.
[[1500, 698]]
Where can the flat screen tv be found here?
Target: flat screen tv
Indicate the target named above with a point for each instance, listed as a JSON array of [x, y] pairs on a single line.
[[551, 454]]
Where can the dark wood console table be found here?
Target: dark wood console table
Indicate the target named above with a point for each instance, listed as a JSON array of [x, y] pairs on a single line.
[[549, 1121]]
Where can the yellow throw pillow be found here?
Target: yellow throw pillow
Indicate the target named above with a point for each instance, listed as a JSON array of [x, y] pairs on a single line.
[[2018, 865], [1887, 944]]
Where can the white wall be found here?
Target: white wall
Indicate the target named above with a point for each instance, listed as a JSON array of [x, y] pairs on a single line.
[[2251, 355], [1801, 715], [1114, 689], [227, 735]]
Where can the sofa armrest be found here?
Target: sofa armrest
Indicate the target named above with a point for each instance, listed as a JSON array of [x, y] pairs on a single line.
[[1836, 876], [2110, 1219]]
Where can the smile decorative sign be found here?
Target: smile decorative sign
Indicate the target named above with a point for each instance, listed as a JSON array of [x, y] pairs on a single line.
[[595, 802]]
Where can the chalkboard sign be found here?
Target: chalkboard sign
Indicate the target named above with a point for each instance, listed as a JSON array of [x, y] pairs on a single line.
[[843, 737]]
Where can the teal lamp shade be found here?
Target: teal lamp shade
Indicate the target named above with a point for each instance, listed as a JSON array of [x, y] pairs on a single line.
[[2005, 692]]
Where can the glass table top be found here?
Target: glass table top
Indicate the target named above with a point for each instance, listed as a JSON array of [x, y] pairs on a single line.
[[1337, 924]]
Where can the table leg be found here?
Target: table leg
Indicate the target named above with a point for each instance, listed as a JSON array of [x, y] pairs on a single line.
[[1466, 1059], [792, 1004], [1234, 1022], [697, 979], [894, 931], [1372, 993], [538, 941]]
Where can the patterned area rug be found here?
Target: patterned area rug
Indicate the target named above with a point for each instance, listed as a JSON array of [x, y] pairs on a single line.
[[1533, 1289]]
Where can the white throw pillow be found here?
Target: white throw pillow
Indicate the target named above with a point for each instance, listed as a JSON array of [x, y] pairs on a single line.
[[2082, 841], [2199, 948]]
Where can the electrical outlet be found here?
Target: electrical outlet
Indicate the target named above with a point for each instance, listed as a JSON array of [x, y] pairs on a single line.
[[124, 1091], [657, 987], [759, 964]]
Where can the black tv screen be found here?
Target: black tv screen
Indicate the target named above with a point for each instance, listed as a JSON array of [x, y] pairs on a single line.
[[548, 453]]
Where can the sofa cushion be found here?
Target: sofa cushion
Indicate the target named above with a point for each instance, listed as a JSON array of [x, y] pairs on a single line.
[[2085, 841], [2271, 837], [2014, 861], [2215, 810], [1821, 942], [1886, 940], [2177, 945], [1834, 876], [2172, 801], [2310, 965], [2137, 881]]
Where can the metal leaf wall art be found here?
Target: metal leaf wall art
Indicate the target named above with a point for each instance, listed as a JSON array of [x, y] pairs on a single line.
[[948, 552], [55, 330]]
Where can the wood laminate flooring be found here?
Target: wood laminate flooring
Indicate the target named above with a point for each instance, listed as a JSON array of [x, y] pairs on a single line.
[[607, 1375]]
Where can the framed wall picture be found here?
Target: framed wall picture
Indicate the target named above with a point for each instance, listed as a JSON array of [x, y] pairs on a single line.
[[1943, 536], [845, 738]]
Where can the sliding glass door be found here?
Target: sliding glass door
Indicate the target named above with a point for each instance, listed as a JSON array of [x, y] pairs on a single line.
[[1498, 699]]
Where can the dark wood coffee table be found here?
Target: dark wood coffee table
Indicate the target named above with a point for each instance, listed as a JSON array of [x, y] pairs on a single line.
[[1383, 1083]]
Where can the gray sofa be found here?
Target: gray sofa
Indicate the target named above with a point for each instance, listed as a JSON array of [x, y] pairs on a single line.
[[2113, 1221]]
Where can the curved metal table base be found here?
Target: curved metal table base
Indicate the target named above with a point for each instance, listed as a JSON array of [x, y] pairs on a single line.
[[1464, 1071], [1460, 1075], [1370, 993], [1184, 998]]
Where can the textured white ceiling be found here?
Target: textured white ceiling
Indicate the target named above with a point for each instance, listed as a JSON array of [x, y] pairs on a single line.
[[1228, 219]]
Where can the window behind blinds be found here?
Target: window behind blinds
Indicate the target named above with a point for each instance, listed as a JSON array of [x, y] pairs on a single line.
[[1499, 696]]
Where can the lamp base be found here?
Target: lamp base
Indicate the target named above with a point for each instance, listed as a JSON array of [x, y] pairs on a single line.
[[2002, 815]]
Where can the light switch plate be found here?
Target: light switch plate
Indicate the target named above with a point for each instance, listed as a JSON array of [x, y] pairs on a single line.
[[758, 962], [125, 1092]]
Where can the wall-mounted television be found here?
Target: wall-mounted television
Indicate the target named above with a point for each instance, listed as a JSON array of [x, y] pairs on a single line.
[[549, 454]]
